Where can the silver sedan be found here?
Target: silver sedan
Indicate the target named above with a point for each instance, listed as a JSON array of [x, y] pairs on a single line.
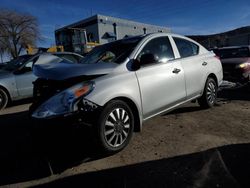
[[120, 85]]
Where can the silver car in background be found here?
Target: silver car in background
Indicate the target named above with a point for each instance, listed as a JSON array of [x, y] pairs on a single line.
[[121, 84], [16, 77]]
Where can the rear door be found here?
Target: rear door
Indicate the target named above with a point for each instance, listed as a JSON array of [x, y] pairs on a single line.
[[162, 82], [194, 66]]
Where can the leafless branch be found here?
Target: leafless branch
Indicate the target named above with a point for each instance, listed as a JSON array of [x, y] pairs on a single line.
[[17, 31]]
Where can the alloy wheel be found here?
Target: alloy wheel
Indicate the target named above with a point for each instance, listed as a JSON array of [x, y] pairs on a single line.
[[117, 127], [1, 100], [211, 92]]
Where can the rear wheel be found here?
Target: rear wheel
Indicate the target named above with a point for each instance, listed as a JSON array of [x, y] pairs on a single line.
[[115, 126], [3, 99], [208, 99]]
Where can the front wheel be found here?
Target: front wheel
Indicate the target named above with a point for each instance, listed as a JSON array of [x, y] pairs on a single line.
[[115, 126], [3, 99], [208, 99]]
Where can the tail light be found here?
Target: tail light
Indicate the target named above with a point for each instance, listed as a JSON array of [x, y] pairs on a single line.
[[217, 57]]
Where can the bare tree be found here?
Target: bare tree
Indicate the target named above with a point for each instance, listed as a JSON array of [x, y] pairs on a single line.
[[17, 31]]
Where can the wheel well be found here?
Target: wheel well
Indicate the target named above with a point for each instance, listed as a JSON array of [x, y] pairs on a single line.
[[132, 105], [7, 92], [214, 77]]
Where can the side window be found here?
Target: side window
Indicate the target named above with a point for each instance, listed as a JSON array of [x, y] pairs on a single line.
[[156, 51], [29, 64], [68, 57], [186, 48]]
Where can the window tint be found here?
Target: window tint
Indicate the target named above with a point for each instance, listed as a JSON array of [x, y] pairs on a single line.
[[68, 57], [160, 47], [186, 48], [29, 64]]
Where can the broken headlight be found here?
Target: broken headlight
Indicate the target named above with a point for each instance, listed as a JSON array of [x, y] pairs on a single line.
[[64, 102]]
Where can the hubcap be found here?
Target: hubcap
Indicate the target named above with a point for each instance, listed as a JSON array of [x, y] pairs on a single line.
[[1, 100], [117, 127], [211, 92]]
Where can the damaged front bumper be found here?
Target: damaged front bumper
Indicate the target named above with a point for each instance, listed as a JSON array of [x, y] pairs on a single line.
[[86, 112]]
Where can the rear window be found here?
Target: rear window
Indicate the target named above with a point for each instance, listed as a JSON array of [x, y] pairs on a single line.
[[186, 48], [232, 52]]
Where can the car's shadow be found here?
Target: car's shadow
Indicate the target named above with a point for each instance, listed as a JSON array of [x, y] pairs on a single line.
[[226, 167], [19, 102], [241, 93], [21, 160], [24, 157]]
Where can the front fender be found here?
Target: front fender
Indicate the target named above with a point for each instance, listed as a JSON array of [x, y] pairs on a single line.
[[10, 85], [114, 86]]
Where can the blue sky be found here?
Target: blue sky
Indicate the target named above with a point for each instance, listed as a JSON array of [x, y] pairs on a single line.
[[182, 16]]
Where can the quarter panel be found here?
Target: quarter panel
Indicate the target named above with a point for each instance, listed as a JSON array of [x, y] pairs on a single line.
[[214, 67], [195, 73]]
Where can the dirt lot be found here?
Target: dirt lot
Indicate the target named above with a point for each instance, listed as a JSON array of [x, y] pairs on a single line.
[[188, 147]]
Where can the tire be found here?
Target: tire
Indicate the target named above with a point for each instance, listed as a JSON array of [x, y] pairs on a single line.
[[209, 96], [115, 126], [3, 99]]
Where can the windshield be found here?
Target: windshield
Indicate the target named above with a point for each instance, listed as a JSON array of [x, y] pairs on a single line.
[[115, 52], [232, 52], [16, 63]]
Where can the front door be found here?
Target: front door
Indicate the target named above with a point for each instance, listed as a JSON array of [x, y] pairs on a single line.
[[161, 81], [24, 81]]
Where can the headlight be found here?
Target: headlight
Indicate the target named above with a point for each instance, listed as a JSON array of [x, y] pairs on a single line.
[[243, 65], [64, 102]]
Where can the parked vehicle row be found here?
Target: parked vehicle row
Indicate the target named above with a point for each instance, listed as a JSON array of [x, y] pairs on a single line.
[[119, 85], [16, 77]]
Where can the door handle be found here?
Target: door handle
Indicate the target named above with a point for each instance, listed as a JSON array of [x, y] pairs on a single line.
[[204, 63], [176, 71]]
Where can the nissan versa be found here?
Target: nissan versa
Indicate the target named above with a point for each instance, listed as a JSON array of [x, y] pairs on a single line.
[[121, 84]]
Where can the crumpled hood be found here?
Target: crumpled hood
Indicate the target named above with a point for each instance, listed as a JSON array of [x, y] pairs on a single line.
[[64, 70]]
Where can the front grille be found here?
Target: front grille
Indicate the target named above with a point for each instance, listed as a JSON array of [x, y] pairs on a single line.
[[44, 89]]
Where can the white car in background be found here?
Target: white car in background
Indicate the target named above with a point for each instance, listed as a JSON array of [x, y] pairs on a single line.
[[16, 77]]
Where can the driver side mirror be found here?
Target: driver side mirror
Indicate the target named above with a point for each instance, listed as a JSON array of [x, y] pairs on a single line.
[[135, 65]]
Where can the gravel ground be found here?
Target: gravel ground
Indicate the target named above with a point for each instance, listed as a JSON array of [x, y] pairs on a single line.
[[188, 147]]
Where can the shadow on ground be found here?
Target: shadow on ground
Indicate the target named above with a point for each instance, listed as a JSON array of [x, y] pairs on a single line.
[[226, 166], [241, 93], [19, 102], [24, 156]]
